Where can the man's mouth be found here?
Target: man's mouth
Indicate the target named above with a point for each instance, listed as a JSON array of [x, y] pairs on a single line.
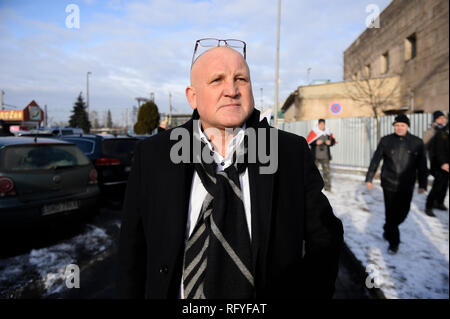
[[232, 105]]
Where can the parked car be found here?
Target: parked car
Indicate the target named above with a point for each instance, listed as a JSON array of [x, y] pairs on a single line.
[[111, 156], [44, 179]]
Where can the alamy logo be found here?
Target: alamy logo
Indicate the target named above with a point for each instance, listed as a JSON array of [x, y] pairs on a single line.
[[373, 279], [261, 147], [73, 19], [72, 276]]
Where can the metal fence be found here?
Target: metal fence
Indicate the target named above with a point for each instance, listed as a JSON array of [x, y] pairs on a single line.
[[357, 137]]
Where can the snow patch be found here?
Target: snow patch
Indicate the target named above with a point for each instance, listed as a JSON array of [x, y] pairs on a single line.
[[420, 269], [49, 264]]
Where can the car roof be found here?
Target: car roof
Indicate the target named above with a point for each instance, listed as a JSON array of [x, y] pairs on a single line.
[[99, 136], [16, 140], [85, 136]]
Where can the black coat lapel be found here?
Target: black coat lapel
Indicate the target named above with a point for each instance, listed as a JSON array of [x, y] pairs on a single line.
[[261, 195], [175, 203]]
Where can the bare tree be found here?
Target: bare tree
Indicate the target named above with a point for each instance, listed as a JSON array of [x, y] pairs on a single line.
[[377, 93]]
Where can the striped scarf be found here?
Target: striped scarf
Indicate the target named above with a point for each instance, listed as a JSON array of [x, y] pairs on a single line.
[[217, 259]]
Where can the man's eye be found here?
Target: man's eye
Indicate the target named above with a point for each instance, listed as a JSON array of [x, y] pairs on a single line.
[[242, 79], [215, 80]]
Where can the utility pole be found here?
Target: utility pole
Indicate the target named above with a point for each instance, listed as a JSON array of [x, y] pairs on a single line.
[[87, 93], [170, 110], [2, 94], [307, 75], [262, 106], [45, 115], [277, 80], [126, 120]]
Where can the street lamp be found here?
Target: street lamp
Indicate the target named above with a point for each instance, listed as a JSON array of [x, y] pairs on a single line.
[[277, 78], [87, 93], [262, 105]]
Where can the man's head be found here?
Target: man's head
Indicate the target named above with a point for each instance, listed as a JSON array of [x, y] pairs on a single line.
[[439, 118], [321, 124], [221, 89], [401, 124]]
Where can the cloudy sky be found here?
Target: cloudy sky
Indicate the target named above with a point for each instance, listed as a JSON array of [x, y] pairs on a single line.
[[133, 48]]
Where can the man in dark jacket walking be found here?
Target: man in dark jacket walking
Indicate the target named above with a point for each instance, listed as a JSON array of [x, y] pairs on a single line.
[[404, 160], [438, 154]]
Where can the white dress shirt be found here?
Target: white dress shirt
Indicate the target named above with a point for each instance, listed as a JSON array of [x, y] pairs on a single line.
[[198, 191]]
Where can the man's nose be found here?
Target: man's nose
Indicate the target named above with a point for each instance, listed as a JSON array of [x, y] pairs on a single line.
[[231, 88]]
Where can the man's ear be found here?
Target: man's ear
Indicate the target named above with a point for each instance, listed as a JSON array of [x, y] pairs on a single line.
[[191, 96]]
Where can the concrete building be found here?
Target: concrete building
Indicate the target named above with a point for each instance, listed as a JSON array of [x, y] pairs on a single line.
[[340, 99], [413, 43], [406, 60]]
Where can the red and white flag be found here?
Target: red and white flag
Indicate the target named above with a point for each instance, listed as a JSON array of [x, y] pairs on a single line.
[[316, 133]]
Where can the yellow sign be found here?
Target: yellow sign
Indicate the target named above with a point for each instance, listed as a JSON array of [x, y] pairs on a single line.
[[11, 115]]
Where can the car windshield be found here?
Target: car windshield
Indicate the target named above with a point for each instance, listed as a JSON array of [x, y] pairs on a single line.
[[41, 156], [87, 147], [119, 147]]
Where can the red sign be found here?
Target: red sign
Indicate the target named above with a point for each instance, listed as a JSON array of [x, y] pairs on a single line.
[[335, 108]]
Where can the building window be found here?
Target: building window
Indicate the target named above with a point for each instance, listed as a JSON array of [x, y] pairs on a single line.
[[410, 47], [368, 70], [385, 63]]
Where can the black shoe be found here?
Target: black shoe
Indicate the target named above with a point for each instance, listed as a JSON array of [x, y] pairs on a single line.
[[392, 249], [429, 212], [440, 206]]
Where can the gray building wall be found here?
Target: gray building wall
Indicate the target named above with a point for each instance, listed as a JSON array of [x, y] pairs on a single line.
[[424, 78]]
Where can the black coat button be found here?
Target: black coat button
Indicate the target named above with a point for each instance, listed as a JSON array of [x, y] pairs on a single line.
[[164, 269]]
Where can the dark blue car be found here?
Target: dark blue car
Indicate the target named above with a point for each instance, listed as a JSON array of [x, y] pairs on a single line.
[[111, 156]]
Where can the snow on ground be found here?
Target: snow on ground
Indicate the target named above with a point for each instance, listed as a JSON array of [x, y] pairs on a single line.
[[49, 264], [420, 269]]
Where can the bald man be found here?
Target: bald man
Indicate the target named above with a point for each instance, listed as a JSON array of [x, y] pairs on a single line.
[[207, 221]]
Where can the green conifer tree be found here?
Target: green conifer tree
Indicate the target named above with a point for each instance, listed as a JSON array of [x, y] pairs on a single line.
[[79, 117], [148, 118]]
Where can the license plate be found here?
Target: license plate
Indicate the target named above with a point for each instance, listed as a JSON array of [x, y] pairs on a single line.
[[127, 169], [59, 207]]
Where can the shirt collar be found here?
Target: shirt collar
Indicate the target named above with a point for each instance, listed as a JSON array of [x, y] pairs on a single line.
[[223, 162]]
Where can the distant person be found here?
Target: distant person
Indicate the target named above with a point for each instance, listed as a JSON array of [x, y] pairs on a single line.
[[321, 139], [404, 160], [437, 148]]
